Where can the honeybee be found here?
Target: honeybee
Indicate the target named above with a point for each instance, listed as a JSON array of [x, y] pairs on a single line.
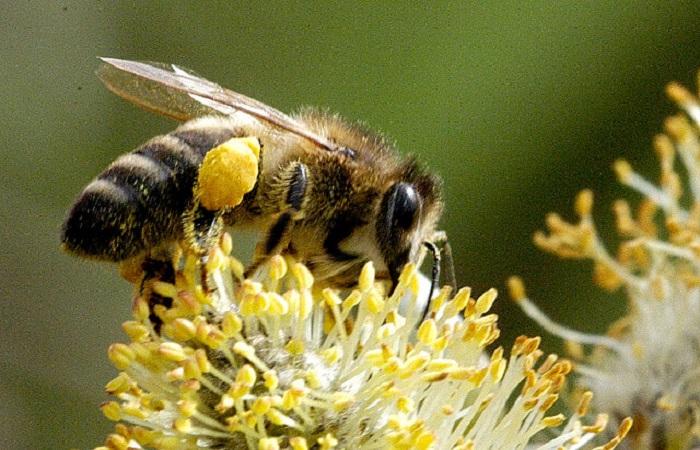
[[331, 193]]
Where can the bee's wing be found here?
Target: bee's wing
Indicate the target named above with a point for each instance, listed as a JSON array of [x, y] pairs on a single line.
[[178, 93]]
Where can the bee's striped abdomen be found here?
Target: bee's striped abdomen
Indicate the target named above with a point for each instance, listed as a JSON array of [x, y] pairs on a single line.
[[137, 202]]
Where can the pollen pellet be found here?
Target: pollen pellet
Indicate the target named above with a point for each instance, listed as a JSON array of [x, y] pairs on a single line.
[[228, 172]]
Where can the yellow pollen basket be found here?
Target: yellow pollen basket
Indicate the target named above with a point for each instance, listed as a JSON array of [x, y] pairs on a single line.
[[228, 172]]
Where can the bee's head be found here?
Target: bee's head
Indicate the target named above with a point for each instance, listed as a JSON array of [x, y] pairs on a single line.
[[407, 217]]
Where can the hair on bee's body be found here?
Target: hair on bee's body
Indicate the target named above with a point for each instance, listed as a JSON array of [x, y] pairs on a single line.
[[332, 193]]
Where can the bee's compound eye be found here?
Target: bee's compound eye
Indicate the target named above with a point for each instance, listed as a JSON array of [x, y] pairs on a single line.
[[403, 206]]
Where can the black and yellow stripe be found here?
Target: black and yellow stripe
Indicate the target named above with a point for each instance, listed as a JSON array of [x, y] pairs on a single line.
[[137, 202]]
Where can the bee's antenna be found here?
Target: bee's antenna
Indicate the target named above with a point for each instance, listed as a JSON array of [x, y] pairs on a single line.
[[435, 276]]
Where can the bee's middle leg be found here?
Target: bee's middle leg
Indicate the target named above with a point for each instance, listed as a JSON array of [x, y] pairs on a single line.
[[296, 180]]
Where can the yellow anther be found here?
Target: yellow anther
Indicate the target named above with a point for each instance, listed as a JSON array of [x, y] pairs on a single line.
[[139, 309], [243, 349], [191, 370], [268, 444], [478, 376], [172, 351], [292, 396], [408, 277], [553, 421], [262, 303], [531, 345], [385, 331], [120, 384], [183, 424], [144, 436], [424, 441], [298, 443], [112, 410], [326, 442], [306, 304], [121, 355], [261, 405], [366, 280], [332, 355], [462, 298], [231, 324], [182, 329], [375, 303], [433, 377], [191, 303], [226, 402], [549, 402], [625, 427], [516, 288], [600, 423], [623, 170], [295, 346], [548, 364], [312, 379], [485, 301], [202, 361], [679, 94], [584, 402], [466, 445], [278, 418], [405, 404], [427, 332], [246, 375], [236, 267], [393, 317], [302, 275], [277, 267], [116, 442], [352, 300], [238, 390], [441, 364], [226, 243], [187, 408], [584, 203], [164, 289], [330, 297], [497, 369], [250, 419], [177, 374], [271, 380], [666, 403], [574, 349], [462, 373], [227, 173], [342, 401]]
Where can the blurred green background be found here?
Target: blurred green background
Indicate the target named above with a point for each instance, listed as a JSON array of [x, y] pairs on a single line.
[[518, 105]]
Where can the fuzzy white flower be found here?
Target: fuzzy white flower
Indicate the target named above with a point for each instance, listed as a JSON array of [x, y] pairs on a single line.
[[274, 362], [648, 365]]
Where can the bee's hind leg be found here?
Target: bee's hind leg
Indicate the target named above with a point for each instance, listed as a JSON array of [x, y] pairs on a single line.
[[202, 231], [294, 182]]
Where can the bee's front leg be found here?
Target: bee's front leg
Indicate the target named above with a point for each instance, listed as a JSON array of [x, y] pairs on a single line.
[[294, 181], [439, 239]]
